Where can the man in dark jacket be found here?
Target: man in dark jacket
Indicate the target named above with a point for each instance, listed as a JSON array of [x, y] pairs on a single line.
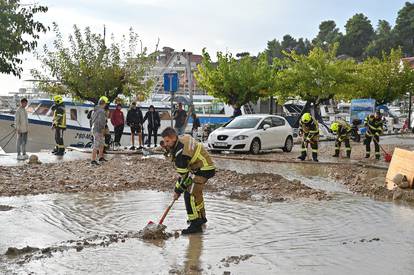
[[135, 120], [154, 123]]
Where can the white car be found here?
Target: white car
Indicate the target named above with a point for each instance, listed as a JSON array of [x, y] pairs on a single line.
[[252, 133]]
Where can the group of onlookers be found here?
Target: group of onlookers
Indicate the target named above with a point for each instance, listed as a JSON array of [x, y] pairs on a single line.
[[99, 126]]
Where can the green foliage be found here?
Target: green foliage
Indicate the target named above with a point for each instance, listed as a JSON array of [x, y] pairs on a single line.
[[383, 41], [87, 69], [275, 48], [404, 29], [384, 79], [19, 33], [236, 81], [328, 35], [359, 33], [315, 77]]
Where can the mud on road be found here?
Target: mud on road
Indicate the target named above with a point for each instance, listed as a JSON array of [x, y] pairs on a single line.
[[135, 172]]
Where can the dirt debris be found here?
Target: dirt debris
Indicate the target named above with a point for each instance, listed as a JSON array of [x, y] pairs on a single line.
[[6, 207], [28, 253], [154, 231], [134, 173]]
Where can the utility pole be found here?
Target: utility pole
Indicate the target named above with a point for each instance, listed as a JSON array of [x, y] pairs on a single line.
[[409, 109], [104, 35]]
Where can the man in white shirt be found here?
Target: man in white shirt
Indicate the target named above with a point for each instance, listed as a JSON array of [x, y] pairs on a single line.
[[22, 128]]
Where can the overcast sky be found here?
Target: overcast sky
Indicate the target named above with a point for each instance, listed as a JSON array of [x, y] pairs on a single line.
[[218, 25]]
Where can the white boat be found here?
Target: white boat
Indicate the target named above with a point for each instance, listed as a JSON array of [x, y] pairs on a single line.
[[78, 131]]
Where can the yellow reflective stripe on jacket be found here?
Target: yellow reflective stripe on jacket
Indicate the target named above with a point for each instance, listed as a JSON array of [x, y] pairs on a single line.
[[182, 170], [198, 155]]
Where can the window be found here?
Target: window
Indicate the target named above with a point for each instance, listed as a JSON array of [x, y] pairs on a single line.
[[268, 121], [277, 121], [43, 109], [32, 107], [243, 123], [73, 114]]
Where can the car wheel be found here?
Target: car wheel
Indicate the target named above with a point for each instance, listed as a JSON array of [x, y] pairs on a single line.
[[288, 144], [255, 146]]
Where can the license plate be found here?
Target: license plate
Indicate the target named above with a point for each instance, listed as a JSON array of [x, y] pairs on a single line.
[[220, 144]]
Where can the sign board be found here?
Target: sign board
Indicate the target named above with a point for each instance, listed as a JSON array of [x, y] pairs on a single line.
[[401, 163], [361, 108], [171, 82]]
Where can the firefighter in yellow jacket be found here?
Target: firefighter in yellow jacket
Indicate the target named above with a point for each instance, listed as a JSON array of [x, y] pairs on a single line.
[[342, 130], [195, 167], [309, 130], [59, 124]]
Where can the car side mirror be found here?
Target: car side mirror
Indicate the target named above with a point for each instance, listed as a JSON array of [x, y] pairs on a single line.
[[266, 126]]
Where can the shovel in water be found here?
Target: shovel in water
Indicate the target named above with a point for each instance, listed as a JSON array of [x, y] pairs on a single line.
[[165, 213]]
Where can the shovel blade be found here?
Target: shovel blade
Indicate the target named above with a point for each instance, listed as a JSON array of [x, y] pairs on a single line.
[[387, 157]]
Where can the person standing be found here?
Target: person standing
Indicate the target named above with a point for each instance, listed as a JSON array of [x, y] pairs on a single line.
[[374, 126], [134, 120], [196, 125], [180, 117], [237, 111], [118, 121], [59, 124], [21, 123], [195, 167], [154, 123], [99, 119]]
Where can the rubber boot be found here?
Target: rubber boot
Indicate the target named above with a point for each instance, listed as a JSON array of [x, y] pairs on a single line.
[[336, 155], [302, 157], [195, 227], [367, 155], [348, 154], [315, 157], [55, 150], [60, 152]]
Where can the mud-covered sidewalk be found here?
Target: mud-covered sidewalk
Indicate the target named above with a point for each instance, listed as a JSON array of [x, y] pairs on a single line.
[[135, 172]]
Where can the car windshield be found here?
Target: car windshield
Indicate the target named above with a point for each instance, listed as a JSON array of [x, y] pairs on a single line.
[[243, 123]]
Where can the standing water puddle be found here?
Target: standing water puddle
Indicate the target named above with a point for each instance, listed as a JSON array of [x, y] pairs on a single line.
[[302, 237]]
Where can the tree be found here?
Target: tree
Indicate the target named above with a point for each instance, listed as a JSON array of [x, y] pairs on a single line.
[[328, 35], [19, 33], [88, 69], [384, 79], [315, 77], [236, 81], [359, 33], [404, 30], [275, 48], [383, 41]]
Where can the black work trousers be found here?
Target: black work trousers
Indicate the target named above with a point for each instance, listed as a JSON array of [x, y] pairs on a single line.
[[119, 130], [152, 132]]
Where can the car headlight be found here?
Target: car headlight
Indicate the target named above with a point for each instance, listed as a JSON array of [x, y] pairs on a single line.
[[241, 137]]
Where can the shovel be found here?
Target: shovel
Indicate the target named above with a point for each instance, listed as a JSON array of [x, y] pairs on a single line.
[[387, 156], [165, 213]]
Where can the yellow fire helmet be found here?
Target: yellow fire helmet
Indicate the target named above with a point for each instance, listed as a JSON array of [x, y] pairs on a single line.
[[335, 127], [58, 99], [306, 118], [104, 99]]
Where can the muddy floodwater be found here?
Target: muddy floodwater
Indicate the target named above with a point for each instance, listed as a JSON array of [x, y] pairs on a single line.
[[348, 234]]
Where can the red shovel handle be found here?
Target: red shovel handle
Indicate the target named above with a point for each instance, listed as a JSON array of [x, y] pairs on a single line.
[[166, 212]]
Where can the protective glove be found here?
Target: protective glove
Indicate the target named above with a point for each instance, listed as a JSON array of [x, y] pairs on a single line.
[[182, 184]]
